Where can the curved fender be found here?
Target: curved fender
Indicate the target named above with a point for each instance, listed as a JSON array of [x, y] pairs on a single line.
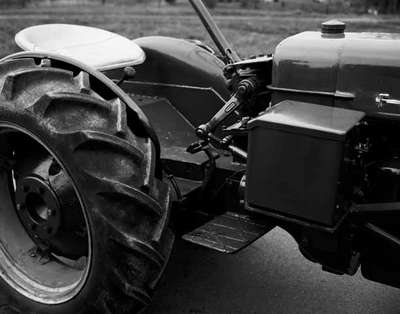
[[189, 76]]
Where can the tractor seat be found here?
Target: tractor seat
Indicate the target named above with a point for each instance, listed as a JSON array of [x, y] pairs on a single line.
[[95, 47]]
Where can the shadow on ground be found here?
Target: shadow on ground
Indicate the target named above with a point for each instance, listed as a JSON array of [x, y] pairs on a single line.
[[270, 276]]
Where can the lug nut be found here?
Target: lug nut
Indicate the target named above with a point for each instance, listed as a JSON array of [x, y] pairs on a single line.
[[51, 212]]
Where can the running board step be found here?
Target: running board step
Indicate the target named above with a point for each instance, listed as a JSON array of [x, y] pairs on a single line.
[[229, 232]]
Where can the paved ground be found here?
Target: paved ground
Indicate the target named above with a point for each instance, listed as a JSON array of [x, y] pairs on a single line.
[[271, 276]]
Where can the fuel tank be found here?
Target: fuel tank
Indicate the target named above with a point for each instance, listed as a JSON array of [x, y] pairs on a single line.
[[359, 71]]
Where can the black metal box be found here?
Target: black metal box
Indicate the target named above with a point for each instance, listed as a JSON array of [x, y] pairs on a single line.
[[294, 160]]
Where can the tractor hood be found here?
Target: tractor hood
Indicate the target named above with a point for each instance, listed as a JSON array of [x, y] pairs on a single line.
[[340, 69]]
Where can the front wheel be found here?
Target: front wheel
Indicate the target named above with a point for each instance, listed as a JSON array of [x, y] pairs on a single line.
[[83, 219]]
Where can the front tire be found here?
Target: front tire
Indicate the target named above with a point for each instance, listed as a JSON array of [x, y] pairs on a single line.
[[83, 219]]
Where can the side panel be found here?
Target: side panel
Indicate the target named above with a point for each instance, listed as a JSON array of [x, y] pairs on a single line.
[[179, 86], [189, 76], [296, 151]]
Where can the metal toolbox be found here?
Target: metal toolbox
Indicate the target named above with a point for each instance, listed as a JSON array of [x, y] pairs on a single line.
[[295, 154]]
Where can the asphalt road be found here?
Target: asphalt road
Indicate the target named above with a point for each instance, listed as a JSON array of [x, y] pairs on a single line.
[[271, 276]]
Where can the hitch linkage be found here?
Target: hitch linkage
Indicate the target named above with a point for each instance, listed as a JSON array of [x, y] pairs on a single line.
[[245, 88], [204, 132]]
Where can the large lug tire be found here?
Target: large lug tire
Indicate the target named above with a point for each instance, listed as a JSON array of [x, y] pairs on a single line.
[[124, 206]]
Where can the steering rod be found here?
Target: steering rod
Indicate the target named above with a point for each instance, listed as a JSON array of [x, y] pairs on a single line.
[[219, 39]]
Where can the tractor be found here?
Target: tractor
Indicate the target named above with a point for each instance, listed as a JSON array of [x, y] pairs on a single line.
[[111, 148]]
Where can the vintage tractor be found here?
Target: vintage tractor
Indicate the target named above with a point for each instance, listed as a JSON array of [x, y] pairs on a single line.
[[111, 147]]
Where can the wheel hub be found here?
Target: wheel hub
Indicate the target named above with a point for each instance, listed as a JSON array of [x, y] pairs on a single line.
[[48, 208], [38, 208]]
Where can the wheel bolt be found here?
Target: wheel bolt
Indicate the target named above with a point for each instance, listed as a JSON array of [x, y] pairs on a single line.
[[51, 212]]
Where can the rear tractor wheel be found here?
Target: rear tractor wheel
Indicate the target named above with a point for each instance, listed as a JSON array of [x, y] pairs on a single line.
[[83, 218]]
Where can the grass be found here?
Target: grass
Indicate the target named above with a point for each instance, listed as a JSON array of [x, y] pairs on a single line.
[[250, 31]]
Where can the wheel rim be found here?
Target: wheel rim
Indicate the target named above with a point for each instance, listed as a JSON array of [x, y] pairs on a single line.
[[45, 243]]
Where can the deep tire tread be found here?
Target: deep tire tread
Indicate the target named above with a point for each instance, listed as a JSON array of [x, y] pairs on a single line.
[[143, 248]]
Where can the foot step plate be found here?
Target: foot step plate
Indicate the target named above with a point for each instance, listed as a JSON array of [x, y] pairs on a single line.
[[229, 233]]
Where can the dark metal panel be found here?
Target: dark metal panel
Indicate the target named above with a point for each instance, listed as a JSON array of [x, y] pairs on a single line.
[[370, 66], [196, 104], [309, 119], [175, 134], [178, 61], [295, 156], [189, 76], [306, 62]]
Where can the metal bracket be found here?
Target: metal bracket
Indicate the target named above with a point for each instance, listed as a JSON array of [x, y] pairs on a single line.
[[376, 208], [384, 99]]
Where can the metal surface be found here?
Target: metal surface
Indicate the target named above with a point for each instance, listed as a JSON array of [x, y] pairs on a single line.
[[376, 208], [190, 77], [313, 67], [229, 232], [309, 119], [38, 207], [24, 265], [295, 156], [98, 48], [175, 134], [383, 100], [333, 27], [383, 234], [48, 207]]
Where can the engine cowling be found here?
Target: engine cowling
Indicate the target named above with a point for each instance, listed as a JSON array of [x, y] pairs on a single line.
[[323, 84], [341, 69]]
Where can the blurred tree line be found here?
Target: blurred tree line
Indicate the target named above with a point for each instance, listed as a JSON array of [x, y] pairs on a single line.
[[371, 6], [213, 3], [381, 6]]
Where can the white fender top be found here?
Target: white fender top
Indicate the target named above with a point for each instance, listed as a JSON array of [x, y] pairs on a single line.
[[95, 47]]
